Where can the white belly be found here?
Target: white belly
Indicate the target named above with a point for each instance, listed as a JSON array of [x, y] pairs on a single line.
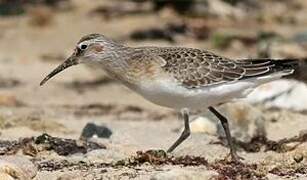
[[169, 94]]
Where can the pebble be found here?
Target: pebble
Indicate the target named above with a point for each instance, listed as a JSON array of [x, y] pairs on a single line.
[[289, 94], [203, 125], [298, 157], [16, 167], [91, 130]]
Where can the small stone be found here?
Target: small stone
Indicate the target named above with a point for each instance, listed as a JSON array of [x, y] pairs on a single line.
[[298, 157], [92, 129], [5, 176], [16, 167], [289, 94], [203, 125]]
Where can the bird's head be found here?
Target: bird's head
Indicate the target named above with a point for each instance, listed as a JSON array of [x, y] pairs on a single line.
[[93, 48]]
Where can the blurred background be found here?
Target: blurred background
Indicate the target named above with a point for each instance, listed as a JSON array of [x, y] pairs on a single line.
[[37, 35]]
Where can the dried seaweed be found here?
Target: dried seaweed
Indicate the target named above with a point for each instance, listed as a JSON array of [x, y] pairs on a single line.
[[236, 170], [32, 146], [53, 165], [225, 169], [160, 157], [289, 172], [9, 147], [261, 142]]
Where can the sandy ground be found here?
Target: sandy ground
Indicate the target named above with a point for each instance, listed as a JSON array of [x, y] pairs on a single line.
[[81, 95]]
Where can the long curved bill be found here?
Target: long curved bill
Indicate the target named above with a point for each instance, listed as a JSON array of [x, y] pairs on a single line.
[[72, 60]]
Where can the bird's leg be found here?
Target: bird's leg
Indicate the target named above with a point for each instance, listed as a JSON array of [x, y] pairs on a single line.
[[224, 122], [186, 132]]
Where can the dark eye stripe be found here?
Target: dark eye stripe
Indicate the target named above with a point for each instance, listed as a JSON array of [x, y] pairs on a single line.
[[78, 51]]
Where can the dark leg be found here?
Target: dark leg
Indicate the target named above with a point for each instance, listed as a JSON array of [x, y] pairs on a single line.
[[225, 125], [186, 132]]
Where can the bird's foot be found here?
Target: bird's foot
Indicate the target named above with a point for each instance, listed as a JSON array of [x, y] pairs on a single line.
[[234, 157]]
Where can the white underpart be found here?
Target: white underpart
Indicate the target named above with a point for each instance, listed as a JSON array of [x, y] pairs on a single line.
[[166, 92]]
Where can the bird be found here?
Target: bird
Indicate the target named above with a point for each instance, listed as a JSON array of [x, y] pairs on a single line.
[[180, 78]]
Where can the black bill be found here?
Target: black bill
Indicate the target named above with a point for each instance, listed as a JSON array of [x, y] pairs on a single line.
[[69, 62]]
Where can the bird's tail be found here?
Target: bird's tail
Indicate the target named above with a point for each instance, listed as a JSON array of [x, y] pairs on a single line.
[[287, 66], [283, 67], [300, 69]]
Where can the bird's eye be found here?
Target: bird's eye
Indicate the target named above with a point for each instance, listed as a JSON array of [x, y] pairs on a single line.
[[83, 46]]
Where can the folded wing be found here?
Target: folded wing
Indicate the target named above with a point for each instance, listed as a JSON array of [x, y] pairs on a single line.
[[195, 68]]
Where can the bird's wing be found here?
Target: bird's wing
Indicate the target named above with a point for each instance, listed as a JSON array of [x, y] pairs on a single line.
[[195, 68]]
